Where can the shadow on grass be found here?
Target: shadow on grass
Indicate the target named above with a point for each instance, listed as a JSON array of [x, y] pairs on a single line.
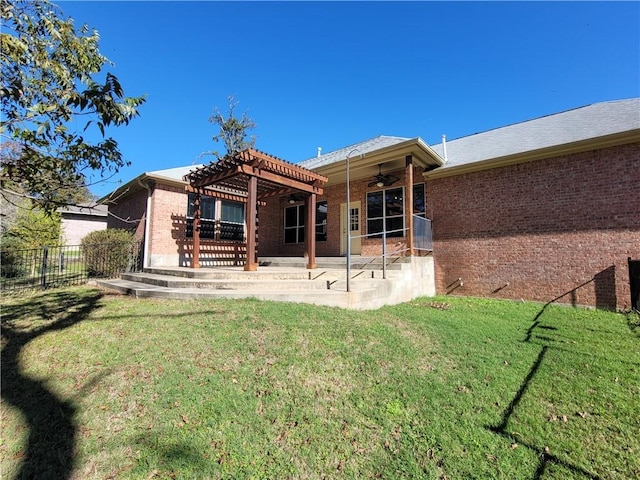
[[544, 457], [167, 457], [49, 452]]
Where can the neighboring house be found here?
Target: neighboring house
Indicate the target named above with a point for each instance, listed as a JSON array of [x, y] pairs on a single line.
[[80, 220], [547, 209]]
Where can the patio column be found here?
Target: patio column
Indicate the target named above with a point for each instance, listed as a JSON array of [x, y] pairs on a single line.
[[251, 265], [195, 259], [409, 202], [310, 231]]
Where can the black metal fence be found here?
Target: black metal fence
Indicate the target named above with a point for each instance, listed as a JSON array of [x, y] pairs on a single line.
[[58, 266]]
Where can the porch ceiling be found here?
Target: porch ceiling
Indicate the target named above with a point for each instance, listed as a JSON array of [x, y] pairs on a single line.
[[275, 176]]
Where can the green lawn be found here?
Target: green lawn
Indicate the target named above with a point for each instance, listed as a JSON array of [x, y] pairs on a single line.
[[100, 386]]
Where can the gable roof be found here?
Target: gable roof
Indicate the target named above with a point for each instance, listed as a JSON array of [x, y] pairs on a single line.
[[367, 146], [562, 132], [171, 176]]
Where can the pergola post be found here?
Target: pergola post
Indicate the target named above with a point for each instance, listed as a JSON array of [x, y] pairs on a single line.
[[310, 230], [251, 265], [409, 202], [195, 259]]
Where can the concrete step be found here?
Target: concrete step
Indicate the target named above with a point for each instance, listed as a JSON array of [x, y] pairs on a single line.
[[360, 297], [357, 262], [228, 282], [290, 283]]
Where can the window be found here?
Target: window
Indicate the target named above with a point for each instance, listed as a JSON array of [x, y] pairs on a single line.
[[419, 204], [385, 210], [232, 220], [294, 224], [229, 215], [321, 222], [294, 218], [207, 216], [207, 207]]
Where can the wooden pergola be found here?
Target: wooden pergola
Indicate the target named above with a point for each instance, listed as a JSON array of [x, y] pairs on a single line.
[[256, 176]]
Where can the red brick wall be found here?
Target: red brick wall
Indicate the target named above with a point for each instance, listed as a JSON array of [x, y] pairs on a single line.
[[129, 213], [554, 229], [167, 228]]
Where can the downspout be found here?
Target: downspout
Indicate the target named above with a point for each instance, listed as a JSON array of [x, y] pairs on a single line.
[[147, 224]]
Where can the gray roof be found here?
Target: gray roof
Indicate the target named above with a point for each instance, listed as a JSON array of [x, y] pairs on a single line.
[[176, 173], [90, 208], [589, 122], [367, 146]]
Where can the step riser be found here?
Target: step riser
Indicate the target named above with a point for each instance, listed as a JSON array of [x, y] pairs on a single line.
[[228, 284]]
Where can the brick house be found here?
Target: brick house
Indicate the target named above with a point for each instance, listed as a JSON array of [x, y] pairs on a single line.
[[546, 209]]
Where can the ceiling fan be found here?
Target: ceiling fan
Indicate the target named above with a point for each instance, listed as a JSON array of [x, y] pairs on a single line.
[[381, 180]]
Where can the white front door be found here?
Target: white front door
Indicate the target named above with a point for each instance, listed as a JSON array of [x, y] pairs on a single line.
[[351, 221]]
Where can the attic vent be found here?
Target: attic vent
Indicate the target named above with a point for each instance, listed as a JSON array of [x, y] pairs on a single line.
[[444, 148]]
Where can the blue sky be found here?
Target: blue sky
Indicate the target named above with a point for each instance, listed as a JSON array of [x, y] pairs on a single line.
[[330, 74]]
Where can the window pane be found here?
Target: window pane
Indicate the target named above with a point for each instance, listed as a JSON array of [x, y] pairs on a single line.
[[321, 213], [374, 226], [321, 222], [291, 216], [207, 206], [394, 202], [207, 229], [232, 212], [190, 206], [418, 199], [231, 231], [301, 214], [321, 233], [374, 205], [354, 219], [395, 223], [290, 235]]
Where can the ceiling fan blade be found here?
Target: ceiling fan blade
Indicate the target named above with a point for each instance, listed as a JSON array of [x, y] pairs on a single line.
[[389, 179]]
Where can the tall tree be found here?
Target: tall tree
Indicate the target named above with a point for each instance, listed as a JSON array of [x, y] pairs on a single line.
[[234, 131], [50, 78]]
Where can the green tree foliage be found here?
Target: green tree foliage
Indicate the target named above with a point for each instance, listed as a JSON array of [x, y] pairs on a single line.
[[33, 228], [108, 252], [233, 130], [50, 77]]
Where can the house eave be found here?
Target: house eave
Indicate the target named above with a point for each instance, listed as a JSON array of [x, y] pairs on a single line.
[[392, 158], [607, 141]]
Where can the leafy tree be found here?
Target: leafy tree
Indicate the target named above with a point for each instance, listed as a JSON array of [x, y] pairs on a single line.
[[33, 229], [233, 130], [49, 79]]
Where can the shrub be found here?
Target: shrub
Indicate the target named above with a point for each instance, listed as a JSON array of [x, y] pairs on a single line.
[[11, 265], [108, 252]]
